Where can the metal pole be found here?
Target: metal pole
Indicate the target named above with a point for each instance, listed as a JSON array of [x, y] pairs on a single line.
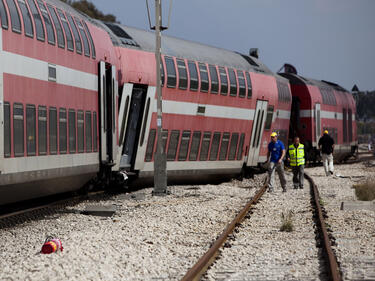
[[160, 161]]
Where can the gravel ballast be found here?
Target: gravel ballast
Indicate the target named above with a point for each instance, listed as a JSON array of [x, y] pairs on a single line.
[[148, 237], [260, 251], [354, 230], [160, 238]]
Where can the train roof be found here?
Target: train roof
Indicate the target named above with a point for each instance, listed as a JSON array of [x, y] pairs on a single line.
[[135, 38], [131, 37], [300, 80]]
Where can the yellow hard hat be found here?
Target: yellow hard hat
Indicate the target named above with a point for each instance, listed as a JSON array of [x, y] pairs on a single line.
[[274, 134], [325, 132]]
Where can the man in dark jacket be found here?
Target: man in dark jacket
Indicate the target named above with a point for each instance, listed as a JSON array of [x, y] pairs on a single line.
[[326, 146]]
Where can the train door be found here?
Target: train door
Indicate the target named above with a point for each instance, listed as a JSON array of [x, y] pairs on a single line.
[[257, 132], [133, 126], [318, 123], [108, 92]]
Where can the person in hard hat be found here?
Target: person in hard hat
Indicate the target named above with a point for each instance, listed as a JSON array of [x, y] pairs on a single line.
[[326, 146], [275, 156], [296, 158]]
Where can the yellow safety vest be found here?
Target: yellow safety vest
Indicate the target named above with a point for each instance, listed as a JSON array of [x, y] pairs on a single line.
[[297, 155]]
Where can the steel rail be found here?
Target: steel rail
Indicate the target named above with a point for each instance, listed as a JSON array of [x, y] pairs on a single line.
[[333, 267], [208, 258]]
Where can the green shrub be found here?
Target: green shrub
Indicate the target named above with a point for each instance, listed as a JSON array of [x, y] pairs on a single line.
[[286, 222], [365, 191]]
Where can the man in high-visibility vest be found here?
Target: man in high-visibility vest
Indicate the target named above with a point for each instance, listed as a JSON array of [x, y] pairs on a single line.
[[297, 162]]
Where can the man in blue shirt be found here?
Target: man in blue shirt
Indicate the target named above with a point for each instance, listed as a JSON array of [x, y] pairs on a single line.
[[275, 156]]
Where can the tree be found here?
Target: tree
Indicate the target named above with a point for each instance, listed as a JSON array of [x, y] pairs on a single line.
[[90, 9]]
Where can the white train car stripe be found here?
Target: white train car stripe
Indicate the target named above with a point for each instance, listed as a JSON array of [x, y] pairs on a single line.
[[37, 69], [39, 163], [216, 111], [283, 114], [324, 114]]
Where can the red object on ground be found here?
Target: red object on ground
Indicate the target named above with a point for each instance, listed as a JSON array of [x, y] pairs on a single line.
[[51, 245]]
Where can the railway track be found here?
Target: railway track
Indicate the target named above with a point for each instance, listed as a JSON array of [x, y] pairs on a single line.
[[330, 270], [18, 214]]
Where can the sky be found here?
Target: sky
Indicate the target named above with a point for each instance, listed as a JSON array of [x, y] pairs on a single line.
[[330, 40]]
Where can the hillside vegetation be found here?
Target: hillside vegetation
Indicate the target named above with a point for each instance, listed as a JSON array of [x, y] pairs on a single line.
[[90, 9]]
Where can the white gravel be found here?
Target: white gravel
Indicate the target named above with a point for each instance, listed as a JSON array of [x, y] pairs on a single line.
[[354, 230], [147, 239], [151, 238], [260, 251]]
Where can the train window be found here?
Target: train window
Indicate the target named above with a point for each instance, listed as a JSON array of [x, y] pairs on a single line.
[[233, 146], [62, 131], [204, 77], [95, 134], [3, 15], [249, 86], [215, 146], [86, 46], [224, 146], [52, 130], [328, 96], [88, 134], [268, 124], [214, 79], [194, 149], [182, 73], [193, 76], [77, 39], [72, 131], [241, 83], [173, 143], [68, 33], [171, 72], [205, 146], [28, 24], [350, 125], [145, 118], [150, 145], [7, 130], [42, 130], [233, 82], [59, 31], [283, 92], [162, 73], [80, 131], [47, 22], [184, 146], [223, 81], [93, 52], [344, 127], [37, 20], [30, 130], [18, 135], [14, 17], [240, 147]]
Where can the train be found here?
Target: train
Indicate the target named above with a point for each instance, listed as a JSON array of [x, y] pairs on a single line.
[[78, 104]]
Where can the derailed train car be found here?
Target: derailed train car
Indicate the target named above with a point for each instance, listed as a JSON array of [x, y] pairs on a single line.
[[320, 105], [78, 103]]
